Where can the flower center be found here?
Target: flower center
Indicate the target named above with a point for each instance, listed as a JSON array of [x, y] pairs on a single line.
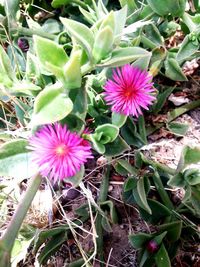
[[61, 150], [127, 93]]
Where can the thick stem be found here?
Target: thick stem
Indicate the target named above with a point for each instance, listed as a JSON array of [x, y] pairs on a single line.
[[104, 185], [161, 190], [29, 32], [102, 197], [9, 236], [79, 3]]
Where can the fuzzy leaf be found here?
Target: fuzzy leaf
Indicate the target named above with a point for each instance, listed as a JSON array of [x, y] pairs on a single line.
[[121, 56], [116, 148], [15, 160], [81, 33], [118, 119], [173, 70], [50, 53], [176, 128], [51, 105], [108, 133]]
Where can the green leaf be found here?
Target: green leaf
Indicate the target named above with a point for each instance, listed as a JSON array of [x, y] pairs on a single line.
[[162, 257], [118, 119], [103, 44], [189, 155], [106, 224], [120, 20], [140, 195], [173, 70], [161, 99], [25, 87], [121, 56], [187, 49], [76, 179], [43, 234], [15, 160], [159, 238], [73, 122], [142, 63], [81, 33], [52, 26], [100, 148], [142, 129], [108, 132], [131, 5], [59, 3], [79, 262], [139, 240], [11, 8], [195, 199], [177, 180], [130, 184], [6, 71], [51, 247], [177, 128], [108, 21], [123, 167], [51, 105], [72, 71], [130, 134], [79, 98], [174, 7], [192, 176], [159, 212], [113, 214], [51, 55], [144, 257], [173, 230], [116, 148], [153, 34]]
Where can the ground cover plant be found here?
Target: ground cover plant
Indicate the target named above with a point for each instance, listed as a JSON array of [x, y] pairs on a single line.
[[87, 88]]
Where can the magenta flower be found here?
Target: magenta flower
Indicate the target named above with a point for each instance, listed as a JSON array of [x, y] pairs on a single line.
[[129, 91], [58, 152]]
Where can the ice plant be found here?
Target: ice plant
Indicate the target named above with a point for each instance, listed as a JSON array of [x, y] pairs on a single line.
[[58, 152], [129, 90]]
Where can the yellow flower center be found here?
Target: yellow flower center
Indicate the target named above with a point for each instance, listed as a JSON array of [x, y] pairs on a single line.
[[61, 150]]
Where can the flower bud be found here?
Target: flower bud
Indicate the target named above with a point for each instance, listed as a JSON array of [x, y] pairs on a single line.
[[152, 246], [23, 44]]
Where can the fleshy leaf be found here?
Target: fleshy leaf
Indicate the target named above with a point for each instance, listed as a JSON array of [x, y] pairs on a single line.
[[15, 160], [81, 33], [162, 257], [51, 105], [122, 56], [50, 53]]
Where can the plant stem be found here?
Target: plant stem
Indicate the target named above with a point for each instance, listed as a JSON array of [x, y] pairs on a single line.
[[104, 185], [159, 166], [8, 238], [172, 115], [79, 3], [29, 32], [161, 190], [102, 197]]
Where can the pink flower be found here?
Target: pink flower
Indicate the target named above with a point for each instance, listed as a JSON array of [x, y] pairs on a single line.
[[58, 152], [129, 91]]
